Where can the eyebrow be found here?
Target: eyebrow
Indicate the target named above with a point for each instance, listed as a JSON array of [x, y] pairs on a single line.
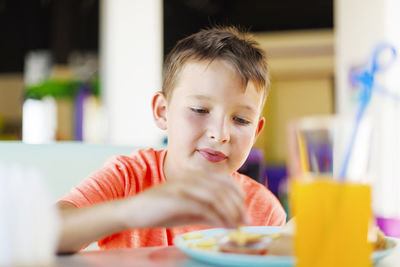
[[200, 97], [203, 97], [250, 108]]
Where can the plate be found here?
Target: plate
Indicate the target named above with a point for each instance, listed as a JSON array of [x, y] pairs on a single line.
[[230, 259]]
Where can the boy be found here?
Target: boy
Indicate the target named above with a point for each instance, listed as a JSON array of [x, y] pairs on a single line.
[[214, 88]]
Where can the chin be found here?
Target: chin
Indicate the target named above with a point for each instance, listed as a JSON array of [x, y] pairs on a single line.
[[218, 169]]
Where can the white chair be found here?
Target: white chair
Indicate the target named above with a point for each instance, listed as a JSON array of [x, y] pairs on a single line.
[[63, 164]]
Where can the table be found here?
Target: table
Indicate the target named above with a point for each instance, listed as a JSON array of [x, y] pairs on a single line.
[[160, 256], [146, 257]]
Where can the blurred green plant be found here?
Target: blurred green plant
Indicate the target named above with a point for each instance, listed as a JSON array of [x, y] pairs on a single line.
[[61, 89], [95, 86]]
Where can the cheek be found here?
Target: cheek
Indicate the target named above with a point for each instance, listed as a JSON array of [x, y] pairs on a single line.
[[242, 143], [188, 127], [194, 121], [244, 136]]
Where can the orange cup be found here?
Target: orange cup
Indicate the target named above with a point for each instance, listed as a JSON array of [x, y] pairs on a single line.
[[332, 220]]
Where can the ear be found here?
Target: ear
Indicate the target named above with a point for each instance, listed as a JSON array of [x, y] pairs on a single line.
[[260, 126], [159, 106]]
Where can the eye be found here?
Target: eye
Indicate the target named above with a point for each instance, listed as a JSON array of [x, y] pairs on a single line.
[[199, 110], [241, 121]]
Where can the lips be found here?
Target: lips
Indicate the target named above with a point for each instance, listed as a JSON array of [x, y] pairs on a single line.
[[212, 155]]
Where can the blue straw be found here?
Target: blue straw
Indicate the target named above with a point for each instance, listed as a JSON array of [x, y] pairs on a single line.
[[367, 81]]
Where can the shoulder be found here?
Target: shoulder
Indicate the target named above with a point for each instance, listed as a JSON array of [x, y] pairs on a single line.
[[262, 205], [120, 176], [249, 185], [137, 171], [139, 158], [148, 153]]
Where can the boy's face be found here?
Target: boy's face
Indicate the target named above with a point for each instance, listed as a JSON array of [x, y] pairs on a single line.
[[212, 121]]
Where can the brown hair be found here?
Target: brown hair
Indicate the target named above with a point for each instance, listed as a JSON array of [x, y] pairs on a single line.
[[227, 43]]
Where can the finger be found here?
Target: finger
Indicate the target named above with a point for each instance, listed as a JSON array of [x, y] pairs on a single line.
[[228, 182], [194, 212], [232, 205], [191, 211], [220, 192], [230, 196], [207, 199], [175, 209], [225, 203]]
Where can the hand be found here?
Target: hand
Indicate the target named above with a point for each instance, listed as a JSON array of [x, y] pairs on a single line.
[[196, 199]]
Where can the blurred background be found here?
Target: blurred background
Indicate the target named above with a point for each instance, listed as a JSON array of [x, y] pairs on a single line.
[[86, 69]]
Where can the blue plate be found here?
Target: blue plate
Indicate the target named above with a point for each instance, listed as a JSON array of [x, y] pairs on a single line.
[[230, 259]]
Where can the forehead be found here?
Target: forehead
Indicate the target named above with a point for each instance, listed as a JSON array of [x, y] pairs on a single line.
[[216, 80]]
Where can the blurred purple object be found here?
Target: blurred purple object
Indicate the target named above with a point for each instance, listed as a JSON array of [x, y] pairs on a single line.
[[80, 99], [390, 226], [270, 176], [254, 165], [275, 176]]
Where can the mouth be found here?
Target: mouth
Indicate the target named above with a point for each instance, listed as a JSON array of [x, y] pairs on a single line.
[[212, 155]]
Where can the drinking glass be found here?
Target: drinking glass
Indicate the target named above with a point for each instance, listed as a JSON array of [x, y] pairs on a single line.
[[331, 203]]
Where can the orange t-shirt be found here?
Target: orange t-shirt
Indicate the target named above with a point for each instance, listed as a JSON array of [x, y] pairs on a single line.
[[126, 176]]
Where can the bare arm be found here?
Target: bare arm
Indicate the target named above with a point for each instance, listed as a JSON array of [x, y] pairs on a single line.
[[196, 200], [82, 226]]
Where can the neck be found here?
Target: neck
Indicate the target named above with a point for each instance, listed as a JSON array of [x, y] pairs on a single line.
[[170, 171]]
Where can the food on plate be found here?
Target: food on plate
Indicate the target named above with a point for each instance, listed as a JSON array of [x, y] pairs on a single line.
[[194, 235], [279, 244], [282, 245], [377, 237], [208, 244], [239, 241]]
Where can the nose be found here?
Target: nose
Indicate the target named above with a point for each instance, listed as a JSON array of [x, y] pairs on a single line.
[[218, 130]]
